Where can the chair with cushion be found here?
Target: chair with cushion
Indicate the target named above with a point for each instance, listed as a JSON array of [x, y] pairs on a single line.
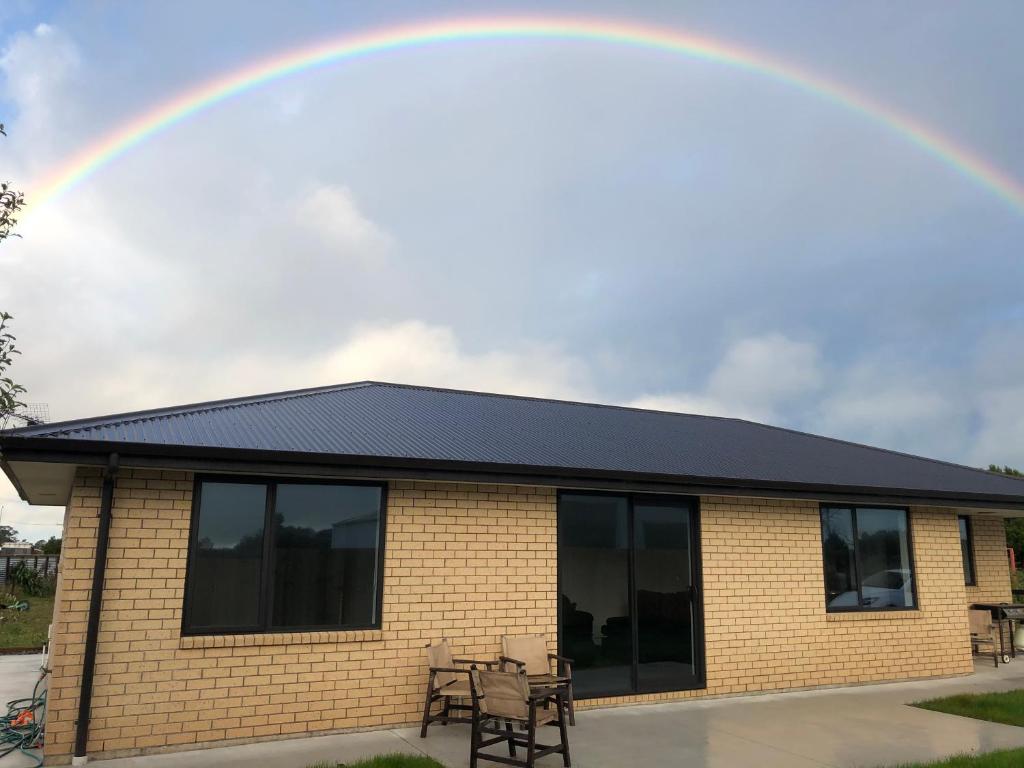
[[983, 632], [509, 696], [531, 653], [447, 683]]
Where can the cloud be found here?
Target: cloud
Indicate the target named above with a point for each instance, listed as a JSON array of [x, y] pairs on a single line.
[[1000, 438], [38, 69], [884, 405], [756, 378], [330, 213], [418, 353]]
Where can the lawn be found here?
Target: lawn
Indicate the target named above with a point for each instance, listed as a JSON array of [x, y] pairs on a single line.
[[385, 761], [26, 629], [1012, 758], [1006, 707]]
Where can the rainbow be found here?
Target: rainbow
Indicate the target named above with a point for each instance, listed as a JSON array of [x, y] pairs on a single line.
[[207, 94]]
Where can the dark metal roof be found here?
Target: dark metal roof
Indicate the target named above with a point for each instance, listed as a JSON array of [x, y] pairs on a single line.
[[457, 428]]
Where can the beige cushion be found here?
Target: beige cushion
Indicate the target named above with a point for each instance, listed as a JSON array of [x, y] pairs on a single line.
[[459, 688], [440, 655], [502, 694], [530, 649], [981, 623]]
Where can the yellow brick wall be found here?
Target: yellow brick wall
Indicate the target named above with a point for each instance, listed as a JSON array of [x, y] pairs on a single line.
[[991, 565], [764, 605], [471, 562]]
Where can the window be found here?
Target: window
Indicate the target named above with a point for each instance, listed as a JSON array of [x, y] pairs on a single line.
[[279, 556], [967, 550], [867, 559]]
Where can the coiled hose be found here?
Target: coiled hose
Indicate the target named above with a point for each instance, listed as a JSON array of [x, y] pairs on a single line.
[[21, 729]]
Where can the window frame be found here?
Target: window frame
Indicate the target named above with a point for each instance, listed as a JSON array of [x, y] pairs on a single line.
[[971, 577], [266, 588], [856, 558]]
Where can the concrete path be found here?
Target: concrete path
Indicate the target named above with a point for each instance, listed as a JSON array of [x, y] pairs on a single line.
[[837, 728], [18, 675]]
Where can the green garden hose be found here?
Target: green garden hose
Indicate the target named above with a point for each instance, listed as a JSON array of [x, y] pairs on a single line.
[[21, 728]]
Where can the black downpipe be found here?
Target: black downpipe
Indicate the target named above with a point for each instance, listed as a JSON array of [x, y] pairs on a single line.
[[92, 631]]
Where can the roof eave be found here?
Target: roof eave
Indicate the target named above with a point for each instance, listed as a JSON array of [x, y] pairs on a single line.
[[213, 459]]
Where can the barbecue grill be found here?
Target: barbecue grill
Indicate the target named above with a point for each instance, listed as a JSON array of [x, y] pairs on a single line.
[[1004, 614]]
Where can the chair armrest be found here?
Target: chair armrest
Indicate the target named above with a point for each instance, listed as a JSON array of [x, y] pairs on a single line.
[[485, 662], [509, 660], [454, 670], [539, 694], [561, 658]]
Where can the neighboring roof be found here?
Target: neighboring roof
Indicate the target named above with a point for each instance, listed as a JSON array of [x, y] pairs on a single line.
[[400, 425]]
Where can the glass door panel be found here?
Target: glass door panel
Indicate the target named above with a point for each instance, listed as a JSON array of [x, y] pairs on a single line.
[[664, 596], [594, 565]]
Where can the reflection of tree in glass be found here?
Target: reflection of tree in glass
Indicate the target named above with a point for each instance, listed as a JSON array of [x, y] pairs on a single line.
[[885, 541], [297, 537], [837, 561], [250, 545]]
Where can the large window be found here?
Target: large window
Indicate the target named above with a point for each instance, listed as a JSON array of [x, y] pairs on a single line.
[[867, 558], [967, 550], [269, 556]]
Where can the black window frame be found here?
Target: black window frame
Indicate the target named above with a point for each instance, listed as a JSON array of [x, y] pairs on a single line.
[[264, 625], [856, 558], [971, 576]]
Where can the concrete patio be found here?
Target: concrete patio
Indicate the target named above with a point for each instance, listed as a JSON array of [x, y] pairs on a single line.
[[866, 726]]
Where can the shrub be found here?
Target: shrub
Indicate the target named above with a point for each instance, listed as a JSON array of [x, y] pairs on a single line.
[[30, 581]]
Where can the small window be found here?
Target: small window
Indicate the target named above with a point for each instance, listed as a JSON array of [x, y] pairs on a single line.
[[284, 556], [967, 550], [867, 559]]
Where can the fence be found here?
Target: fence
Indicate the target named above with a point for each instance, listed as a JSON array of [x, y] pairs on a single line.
[[45, 564]]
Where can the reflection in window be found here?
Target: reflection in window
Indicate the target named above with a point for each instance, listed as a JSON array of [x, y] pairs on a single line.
[[284, 555], [325, 555], [967, 550], [228, 556], [867, 559]]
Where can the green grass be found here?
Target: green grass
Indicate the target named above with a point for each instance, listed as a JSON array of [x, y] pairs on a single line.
[[1012, 758], [385, 761], [1006, 707], [26, 629]]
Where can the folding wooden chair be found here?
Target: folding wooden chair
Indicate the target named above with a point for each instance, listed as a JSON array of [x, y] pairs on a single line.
[[983, 632], [531, 651], [508, 696], [448, 683]]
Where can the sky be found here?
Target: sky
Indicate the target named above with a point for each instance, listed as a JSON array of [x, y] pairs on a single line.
[[576, 220]]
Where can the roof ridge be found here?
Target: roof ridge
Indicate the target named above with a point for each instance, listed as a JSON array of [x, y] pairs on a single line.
[[204, 406], [986, 472], [561, 401]]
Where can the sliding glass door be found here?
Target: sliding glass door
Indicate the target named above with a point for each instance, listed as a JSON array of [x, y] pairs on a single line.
[[629, 611]]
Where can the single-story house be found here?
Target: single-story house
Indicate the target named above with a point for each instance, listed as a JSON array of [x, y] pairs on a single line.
[[274, 565]]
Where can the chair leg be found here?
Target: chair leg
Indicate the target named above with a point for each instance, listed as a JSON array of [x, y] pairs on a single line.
[[531, 738], [426, 706], [446, 710], [570, 705], [511, 738], [474, 739], [564, 736]]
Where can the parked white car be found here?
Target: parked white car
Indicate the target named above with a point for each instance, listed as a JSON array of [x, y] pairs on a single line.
[[884, 589]]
